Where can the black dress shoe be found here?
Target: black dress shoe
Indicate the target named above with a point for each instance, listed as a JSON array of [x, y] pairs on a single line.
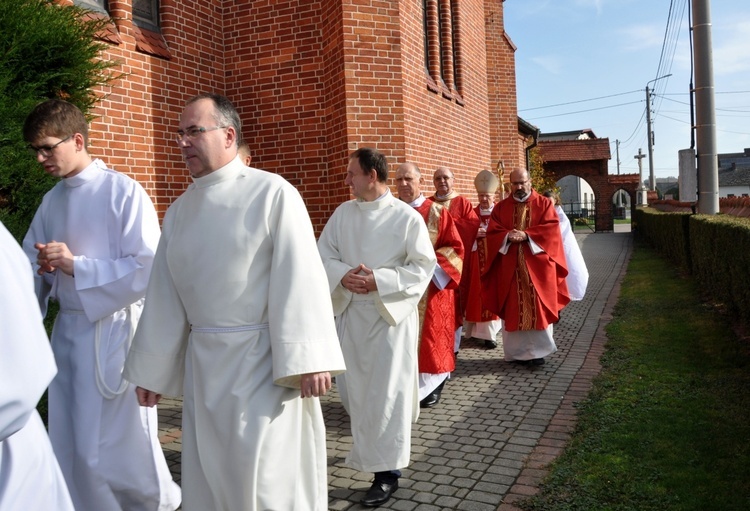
[[490, 345], [379, 493], [430, 401], [433, 398], [537, 361]]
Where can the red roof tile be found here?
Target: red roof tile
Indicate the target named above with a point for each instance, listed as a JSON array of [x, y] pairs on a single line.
[[575, 150]]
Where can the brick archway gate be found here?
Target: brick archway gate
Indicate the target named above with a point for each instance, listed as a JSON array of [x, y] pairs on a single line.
[[588, 159]]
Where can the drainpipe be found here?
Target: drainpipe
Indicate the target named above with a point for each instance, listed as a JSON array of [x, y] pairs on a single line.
[[535, 137]]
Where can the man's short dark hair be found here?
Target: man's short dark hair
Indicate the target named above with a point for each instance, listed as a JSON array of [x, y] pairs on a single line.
[[226, 113], [372, 159]]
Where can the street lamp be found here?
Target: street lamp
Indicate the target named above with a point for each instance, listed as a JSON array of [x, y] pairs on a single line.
[[650, 134]]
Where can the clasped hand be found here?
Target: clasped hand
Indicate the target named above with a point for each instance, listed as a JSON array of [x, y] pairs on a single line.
[[516, 236], [54, 255], [359, 280]]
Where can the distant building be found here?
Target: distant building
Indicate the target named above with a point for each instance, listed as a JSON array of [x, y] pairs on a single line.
[[666, 185], [576, 194], [566, 136], [734, 174], [579, 161]]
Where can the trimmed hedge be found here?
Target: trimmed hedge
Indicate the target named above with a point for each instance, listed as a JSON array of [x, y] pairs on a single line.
[[715, 249], [666, 232], [720, 245]]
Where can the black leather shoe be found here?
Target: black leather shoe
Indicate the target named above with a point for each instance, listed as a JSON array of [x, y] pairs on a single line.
[[490, 345], [432, 399], [379, 493], [537, 361]]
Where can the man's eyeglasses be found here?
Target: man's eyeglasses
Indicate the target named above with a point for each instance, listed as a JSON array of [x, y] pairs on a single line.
[[194, 132], [45, 150]]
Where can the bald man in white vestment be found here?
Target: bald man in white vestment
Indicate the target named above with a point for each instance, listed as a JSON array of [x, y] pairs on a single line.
[[379, 259], [30, 477], [238, 320]]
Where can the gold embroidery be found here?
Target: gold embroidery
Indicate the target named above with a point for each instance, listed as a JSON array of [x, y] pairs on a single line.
[[524, 285], [433, 226]]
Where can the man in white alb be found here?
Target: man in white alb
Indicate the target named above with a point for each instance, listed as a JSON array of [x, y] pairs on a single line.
[[379, 260], [238, 320], [92, 242], [30, 477]]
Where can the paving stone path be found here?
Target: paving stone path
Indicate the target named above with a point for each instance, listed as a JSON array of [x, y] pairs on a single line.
[[497, 426]]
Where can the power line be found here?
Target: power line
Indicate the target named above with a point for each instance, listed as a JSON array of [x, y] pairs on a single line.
[[579, 101], [733, 110], [669, 48], [676, 120], [584, 111], [637, 128], [715, 92]]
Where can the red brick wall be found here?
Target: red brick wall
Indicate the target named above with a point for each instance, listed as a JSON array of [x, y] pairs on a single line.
[[134, 132], [284, 61], [501, 70], [439, 131], [312, 80]]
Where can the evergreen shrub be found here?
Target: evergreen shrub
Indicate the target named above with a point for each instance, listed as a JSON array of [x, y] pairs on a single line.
[[46, 51]]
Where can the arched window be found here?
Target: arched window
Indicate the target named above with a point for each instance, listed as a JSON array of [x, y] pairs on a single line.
[[442, 49], [146, 14], [95, 5]]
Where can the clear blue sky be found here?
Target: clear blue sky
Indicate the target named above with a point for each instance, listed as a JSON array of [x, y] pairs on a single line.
[[570, 52]]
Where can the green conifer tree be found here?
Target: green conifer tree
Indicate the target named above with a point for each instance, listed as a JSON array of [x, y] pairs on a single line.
[[46, 51]]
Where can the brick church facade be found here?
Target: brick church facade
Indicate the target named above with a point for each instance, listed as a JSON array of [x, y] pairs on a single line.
[[428, 81]]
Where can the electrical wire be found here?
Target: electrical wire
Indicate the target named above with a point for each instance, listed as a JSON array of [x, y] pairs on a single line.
[[585, 111], [580, 101]]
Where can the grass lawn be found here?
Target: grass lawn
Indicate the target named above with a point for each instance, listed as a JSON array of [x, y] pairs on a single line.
[[667, 424]]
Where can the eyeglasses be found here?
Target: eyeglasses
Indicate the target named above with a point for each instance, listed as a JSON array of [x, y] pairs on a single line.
[[194, 132], [45, 150]]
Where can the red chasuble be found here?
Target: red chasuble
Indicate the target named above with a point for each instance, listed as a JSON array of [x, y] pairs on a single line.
[[437, 307], [527, 291], [475, 312], [467, 223]]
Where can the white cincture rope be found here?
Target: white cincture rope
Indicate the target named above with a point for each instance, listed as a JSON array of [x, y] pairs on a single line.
[[104, 390], [228, 329]]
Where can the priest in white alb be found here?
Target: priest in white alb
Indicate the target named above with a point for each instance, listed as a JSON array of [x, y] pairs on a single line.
[[30, 477], [379, 260], [238, 320]]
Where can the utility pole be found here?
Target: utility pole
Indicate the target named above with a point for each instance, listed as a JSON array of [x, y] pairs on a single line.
[[617, 144], [642, 195], [705, 119], [619, 192], [650, 134]]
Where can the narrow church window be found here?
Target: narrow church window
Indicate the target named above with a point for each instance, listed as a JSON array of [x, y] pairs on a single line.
[[456, 47], [146, 14], [425, 27], [445, 52], [99, 6], [442, 49]]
